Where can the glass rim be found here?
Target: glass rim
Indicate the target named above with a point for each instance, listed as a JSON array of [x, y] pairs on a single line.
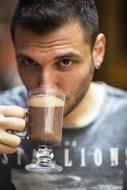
[[37, 91]]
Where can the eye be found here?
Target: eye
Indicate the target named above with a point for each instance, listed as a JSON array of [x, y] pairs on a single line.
[[27, 62], [65, 63]]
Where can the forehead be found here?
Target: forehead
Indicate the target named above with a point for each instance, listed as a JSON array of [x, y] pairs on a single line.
[[70, 33]]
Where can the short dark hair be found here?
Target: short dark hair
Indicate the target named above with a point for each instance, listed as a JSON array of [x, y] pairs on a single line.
[[43, 16]]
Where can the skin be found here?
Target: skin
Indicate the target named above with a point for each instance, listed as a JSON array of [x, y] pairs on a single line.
[[61, 60]]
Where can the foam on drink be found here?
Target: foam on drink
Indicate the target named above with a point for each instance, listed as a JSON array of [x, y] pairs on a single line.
[[42, 101]]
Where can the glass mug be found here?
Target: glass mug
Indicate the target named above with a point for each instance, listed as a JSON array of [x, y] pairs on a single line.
[[45, 120]]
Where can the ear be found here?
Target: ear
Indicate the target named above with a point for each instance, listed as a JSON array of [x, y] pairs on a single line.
[[99, 50]]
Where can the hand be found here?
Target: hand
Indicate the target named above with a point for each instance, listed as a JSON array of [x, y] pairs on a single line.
[[11, 118]]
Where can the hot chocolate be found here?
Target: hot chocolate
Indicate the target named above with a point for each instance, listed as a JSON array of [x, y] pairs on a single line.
[[45, 123]]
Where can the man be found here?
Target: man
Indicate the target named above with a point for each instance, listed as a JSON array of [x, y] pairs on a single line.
[[58, 46]]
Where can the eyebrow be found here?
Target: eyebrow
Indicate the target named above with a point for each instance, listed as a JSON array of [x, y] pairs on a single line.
[[70, 54], [22, 56]]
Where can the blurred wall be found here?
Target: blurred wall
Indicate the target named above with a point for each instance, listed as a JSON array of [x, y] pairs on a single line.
[[113, 18], [8, 70]]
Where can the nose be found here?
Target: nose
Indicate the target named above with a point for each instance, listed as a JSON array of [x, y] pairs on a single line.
[[47, 79]]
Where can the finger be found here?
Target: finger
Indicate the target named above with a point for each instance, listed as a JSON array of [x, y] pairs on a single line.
[[9, 139], [12, 123], [13, 111], [7, 149]]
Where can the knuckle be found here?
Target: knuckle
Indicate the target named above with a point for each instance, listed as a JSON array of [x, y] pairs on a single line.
[[2, 108], [9, 139], [11, 150], [19, 124], [23, 126], [15, 111], [4, 149], [16, 141], [18, 109], [1, 135], [2, 120]]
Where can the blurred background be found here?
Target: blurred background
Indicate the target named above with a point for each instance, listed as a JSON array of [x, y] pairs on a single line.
[[113, 17]]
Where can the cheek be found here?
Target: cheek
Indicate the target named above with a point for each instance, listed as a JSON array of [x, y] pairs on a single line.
[[79, 80], [67, 83], [77, 88], [72, 80], [29, 79]]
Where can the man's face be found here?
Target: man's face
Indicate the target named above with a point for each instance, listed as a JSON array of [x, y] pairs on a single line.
[[60, 60]]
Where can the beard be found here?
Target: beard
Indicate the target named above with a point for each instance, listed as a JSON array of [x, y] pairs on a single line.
[[78, 93]]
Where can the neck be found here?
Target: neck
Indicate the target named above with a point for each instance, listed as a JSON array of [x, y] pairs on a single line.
[[88, 109]]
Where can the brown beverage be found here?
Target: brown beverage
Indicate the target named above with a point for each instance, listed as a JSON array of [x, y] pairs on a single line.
[[45, 120]]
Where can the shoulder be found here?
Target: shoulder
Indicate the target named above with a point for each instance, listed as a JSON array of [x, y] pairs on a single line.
[[115, 98], [14, 96], [114, 92]]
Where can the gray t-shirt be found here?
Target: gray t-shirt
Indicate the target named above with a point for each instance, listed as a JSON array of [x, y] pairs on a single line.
[[93, 157]]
